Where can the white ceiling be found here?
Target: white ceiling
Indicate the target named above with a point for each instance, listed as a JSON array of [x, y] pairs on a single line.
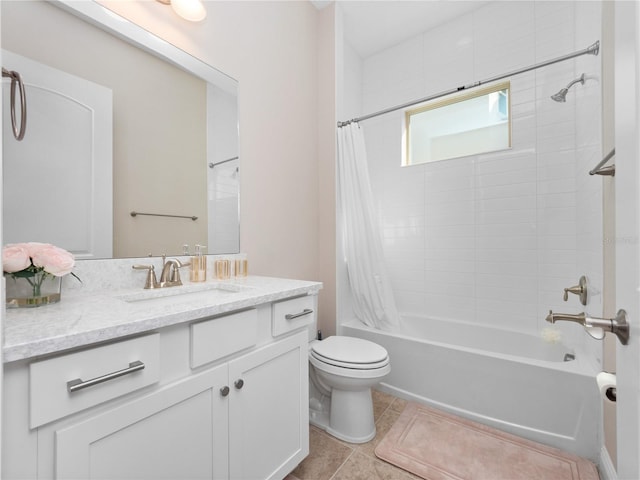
[[373, 25]]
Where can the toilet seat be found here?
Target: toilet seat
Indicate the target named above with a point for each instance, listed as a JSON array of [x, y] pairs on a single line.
[[349, 352]]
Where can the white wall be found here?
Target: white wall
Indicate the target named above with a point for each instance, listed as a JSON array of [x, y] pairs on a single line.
[[493, 238]]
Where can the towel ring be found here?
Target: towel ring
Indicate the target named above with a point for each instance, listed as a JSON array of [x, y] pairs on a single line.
[[15, 79]]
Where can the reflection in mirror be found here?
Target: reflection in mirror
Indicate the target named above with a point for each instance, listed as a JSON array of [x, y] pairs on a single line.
[[116, 126]]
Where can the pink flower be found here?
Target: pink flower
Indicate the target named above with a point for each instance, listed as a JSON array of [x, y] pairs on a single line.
[[52, 259], [15, 257]]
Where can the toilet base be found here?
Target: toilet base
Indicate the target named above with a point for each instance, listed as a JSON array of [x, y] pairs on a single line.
[[347, 415]]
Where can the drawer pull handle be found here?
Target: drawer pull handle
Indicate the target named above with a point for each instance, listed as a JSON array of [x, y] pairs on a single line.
[[291, 316], [78, 384], [224, 391], [239, 383]]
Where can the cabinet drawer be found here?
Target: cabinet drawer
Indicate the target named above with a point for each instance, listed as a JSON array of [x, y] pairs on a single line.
[[69, 383], [221, 336], [291, 314]]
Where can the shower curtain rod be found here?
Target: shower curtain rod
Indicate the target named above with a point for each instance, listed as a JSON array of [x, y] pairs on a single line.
[[592, 50]]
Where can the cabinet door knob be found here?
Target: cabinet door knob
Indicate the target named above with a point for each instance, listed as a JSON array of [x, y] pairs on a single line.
[[239, 383], [224, 391]]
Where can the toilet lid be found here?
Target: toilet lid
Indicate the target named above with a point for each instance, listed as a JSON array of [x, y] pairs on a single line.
[[350, 352]]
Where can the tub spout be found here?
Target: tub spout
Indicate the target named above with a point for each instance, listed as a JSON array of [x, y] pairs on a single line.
[[578, 318], [596, 327]]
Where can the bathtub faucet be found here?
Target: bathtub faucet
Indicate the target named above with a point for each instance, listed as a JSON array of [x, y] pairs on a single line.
[[578, 318], [597, 326]]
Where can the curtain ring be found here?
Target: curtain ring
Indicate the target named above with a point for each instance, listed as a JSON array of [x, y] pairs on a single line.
[[15, 78]]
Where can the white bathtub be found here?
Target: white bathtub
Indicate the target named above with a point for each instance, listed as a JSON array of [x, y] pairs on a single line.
[[515, 382]]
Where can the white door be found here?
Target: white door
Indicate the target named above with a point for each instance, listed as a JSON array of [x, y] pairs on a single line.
[[58, 179], [627, 124]]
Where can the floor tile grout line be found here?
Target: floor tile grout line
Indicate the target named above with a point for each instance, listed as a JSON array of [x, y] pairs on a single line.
[[357, 448], [353, 450]]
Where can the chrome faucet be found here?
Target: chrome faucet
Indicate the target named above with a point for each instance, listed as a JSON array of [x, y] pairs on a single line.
[[597, 326], [578, 318], [170, 276], [151, 281]]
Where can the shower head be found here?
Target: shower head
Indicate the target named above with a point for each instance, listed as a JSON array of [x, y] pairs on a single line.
[[561, 96]]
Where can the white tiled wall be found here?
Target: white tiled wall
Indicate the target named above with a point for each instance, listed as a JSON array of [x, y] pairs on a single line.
[[494, 238]]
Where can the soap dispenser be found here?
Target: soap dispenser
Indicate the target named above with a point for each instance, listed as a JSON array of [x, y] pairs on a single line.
[[199, 265]]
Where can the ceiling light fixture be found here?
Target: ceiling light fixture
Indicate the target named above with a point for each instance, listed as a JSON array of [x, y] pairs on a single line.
[[192, 10]]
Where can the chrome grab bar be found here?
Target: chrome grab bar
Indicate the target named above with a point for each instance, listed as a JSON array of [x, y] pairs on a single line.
[[291, 316], [15, 78], [600, 170], [79, 384]]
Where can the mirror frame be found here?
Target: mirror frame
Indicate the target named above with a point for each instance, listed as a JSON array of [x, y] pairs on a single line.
[[128, 31]]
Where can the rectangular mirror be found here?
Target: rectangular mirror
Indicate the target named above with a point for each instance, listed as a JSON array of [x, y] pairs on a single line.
[[131, 147]]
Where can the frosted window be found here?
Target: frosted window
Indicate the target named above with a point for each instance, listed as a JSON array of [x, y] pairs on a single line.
[[471, 123]]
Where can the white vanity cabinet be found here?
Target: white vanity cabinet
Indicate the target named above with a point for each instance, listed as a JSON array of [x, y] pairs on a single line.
[[179, 431], [233, 404]]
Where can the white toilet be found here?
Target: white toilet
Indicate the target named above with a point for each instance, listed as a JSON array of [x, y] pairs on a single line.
[[342, 371]]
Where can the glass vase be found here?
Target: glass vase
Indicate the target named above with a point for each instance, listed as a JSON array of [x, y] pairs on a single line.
[[32, 291]]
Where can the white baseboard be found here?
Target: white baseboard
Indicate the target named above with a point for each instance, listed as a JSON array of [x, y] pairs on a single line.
[[606, 468]]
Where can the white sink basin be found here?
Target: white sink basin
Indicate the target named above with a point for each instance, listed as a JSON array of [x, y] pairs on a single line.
[[205, 290]]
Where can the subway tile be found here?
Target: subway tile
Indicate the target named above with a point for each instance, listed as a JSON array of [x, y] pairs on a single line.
[[454, 264], [517, 309], [556, 185], [505, 161], [437, 287], [452, 278], [453, 307], [515, 177], [500, 204], [557, 270], [515, 292], [490, 256], [528, 189], [527, 282], [410, 302], [506, 268]]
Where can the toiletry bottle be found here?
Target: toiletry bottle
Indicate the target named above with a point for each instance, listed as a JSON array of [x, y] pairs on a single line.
[[241, 265], [198, 265]]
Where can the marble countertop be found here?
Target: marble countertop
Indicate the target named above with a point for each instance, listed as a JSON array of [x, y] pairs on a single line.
[[84, 318]]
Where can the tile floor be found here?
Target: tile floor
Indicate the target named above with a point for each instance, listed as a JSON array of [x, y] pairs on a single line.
[[333, 459]]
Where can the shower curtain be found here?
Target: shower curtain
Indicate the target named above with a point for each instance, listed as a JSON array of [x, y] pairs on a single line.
[[374, 303]]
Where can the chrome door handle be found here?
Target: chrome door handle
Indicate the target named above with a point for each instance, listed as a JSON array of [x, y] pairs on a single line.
[[291, 316], [79, 384]]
